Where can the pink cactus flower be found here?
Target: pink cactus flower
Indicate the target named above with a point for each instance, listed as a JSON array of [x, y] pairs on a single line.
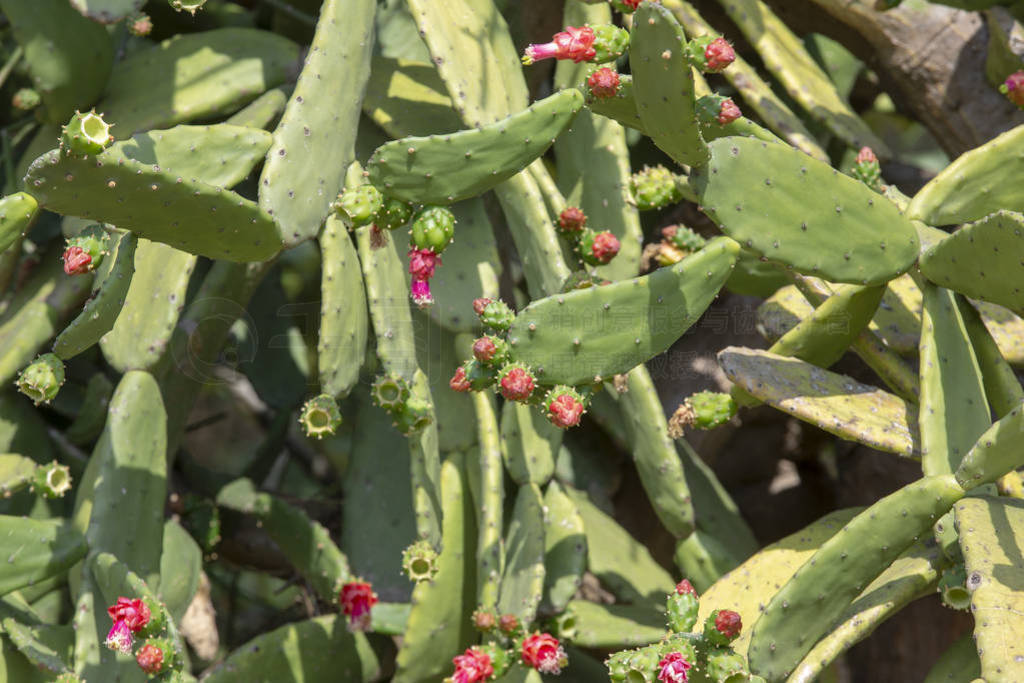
[[357, 597], [673, 668], [543, 652], [133, 612], [573, 43], [120, 637], [472, 667], [77, 261]]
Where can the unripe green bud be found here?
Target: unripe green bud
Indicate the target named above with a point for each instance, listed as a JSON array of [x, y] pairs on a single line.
[[413, 416], [26, 99], [320, 416], [360, 204], [433, 228], [610, 43], [390, 393], [85, 134], [681, 607], [495, 314], [42, 379], [393, 214], [654, 187], [726, 666], [53, 480]]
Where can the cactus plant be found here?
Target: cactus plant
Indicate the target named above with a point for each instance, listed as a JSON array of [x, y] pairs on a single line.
[[364, 353]]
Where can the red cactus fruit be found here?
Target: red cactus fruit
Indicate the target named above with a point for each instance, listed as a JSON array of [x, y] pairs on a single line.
[[604, 83], [728, 623]]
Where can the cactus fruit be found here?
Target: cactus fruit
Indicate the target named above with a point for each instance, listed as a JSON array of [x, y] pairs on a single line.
[[390, 393], [715, 109], [393, 214], [516, 382], [361, 204], [26, 99], [681, 607], [867, 170], [420, 561], [710, 54], [433, 228], [654, 187], [508, 624], [543, 652], [494, 314], [604, 83], [42, 379], [139, 24], [610, 43], [85, 251], [722, 626], [703, 410], [320, 416], [572, 221], [598, 248], [85, 135], [564, 406], [472, 376], [156, 656], [953, 588], [490, 350], [414, 416], [726, 666], [683, 237], [575, 43], [1013, 88], [357, 599], [52, 480]]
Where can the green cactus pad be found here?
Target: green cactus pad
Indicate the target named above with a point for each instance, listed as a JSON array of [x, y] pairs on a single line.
[[344, 324], [835, 403], [1006, 328], [188, 214], [17, 213], [788, 60], [910, 577], [749, 587], [954, 411], [471, 46], [45, 548], [1002, 387], [703, 559], [306, 543], [127, 486], [522, 584], [996, 452], [314, 650], [622, 563], [529, 443], [314, 142], [663, 85], [990, 539], [16, 472], [68, 56], [181, 564], [47, 646], [151, 309], [201, 75], [980, 181], [804, 609], [489, 497], [262, 112], [982, 260], [450, 598], [621, 107], [447, 168], [626, 322], [654, 453], [100, 312], [406, 98], [615, 626], [958, 663], [565, 548], [795, 210]]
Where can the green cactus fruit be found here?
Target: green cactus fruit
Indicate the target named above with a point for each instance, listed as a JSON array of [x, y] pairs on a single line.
[[360, 204], [412, 416], [26, 99], [472, 376], [420, 561], [564, 624], [42, 379], [710, 54], [703, 410], [635, 666], [190, 6], [597, 248], [564, 406], [572, 221], [516, 382], [654, 187], [433, 228], [683, 237], [726, 666], [393, 214], [715, 111], [85, 135], [681, 607], [52, 480], [156, 656], [494, 314], [501, 659], [953, 588], [722, 627], [490, 350], [390, 392], [320, 416], [610, 43], [85, 251], [867, 170]]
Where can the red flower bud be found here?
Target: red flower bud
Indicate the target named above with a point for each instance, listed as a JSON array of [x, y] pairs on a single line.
[[150, 659], [605, 247], [543, 652], [728, 623], [685, 587], [718, 55], [77, 261], [357, 597], [604, 83], [728, 112], [572, 219], [459, 382]]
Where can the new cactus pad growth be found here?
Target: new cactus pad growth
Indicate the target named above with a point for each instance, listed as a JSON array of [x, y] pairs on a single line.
[[224, 229]]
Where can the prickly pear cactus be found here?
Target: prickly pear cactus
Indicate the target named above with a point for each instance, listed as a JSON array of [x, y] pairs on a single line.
[[355, 340]]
